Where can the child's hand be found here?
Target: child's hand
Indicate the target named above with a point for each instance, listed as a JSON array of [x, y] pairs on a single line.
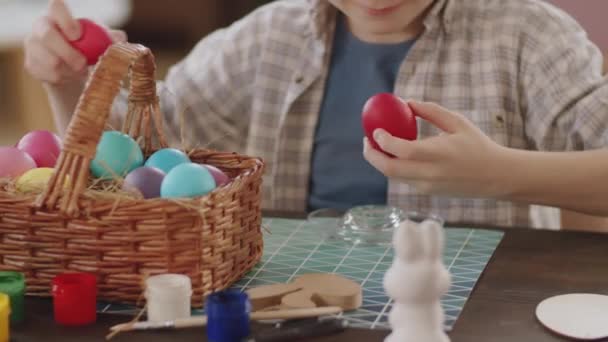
[[49, 57], [461, 161]]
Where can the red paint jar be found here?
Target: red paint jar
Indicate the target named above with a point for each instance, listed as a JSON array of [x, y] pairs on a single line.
[[75, 299]]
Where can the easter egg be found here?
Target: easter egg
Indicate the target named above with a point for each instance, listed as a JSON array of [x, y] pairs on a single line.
[[93, 42], [145, 180], [167, 158], [187, 180], [117, 155], [36, 180], [218, 175], [390, 113], [43, 146], [14, 162]]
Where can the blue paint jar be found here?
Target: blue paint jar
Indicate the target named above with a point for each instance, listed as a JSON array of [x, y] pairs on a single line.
[[228, 316]]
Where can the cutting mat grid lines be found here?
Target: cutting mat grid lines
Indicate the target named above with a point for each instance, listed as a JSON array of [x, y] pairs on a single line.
[[294, 247]]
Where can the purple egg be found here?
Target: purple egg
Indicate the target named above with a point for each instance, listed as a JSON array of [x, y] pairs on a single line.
[[220, 177], [147, 180]]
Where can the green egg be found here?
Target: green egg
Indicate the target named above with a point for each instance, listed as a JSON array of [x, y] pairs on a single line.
[[117, 155], [187, 181]]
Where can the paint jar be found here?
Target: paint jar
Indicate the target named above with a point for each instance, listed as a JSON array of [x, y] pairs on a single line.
[[5, 311], [75, 299], [13, 285], [228, 316], [168, 297]]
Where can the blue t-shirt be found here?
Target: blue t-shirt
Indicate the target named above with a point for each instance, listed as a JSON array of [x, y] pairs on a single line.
[[340, 177]]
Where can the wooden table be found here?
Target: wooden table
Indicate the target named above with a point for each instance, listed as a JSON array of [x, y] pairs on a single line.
[[527, 267]]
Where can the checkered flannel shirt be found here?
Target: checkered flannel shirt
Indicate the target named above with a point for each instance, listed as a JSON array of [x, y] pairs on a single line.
[[523, 71]]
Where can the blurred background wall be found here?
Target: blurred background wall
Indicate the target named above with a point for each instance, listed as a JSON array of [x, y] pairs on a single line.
[[170, 29]]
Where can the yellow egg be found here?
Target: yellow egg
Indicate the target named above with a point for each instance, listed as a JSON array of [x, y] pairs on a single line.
[[35, 180]]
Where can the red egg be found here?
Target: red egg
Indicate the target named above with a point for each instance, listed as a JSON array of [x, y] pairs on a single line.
[[218, 175], [390, 113], [93, 42], [43, 146]]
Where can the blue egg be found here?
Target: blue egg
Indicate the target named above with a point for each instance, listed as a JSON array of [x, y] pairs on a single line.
[[166, 159], [117, 155], [187, 180]]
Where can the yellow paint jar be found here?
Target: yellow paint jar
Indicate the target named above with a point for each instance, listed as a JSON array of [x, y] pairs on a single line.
[[5, 312]]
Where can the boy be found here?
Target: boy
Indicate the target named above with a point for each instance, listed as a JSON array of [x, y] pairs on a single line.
[[287, 83]]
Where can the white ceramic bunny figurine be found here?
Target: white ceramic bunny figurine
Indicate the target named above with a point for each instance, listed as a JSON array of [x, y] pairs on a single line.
[[416, 281]]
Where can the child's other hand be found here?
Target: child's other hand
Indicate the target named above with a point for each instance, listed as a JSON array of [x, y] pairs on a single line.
[[460, 161], [49, 57]]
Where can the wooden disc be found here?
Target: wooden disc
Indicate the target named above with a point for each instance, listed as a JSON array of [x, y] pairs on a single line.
[[325, 289]]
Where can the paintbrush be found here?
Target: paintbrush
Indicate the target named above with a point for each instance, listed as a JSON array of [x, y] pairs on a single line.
[[201, 321]]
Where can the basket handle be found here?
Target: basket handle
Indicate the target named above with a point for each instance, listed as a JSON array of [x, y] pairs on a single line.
[[92, 112]]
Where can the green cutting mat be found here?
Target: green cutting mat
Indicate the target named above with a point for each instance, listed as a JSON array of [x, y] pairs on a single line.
[[294, 247]]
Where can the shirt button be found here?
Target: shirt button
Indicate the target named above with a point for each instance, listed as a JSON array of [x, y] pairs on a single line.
[[299, 79], [500, 121]]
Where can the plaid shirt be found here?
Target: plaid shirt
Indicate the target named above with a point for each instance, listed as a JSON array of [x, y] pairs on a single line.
[[523, 71]]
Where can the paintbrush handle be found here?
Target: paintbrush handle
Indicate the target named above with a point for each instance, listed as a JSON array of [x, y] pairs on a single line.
[[201, 321], [295, 313], [192, 322]]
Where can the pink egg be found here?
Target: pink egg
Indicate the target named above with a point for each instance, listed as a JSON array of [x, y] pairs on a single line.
[[43, 146], [14, 162], [220, 177]]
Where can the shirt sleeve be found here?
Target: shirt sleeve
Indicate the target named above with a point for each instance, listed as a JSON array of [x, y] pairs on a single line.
[[206, 98], [564, 95]]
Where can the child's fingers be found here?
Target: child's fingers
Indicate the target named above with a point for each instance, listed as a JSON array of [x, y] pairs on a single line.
[[47, 35], [396, 168], [425, 149], [118, 36], [60, 14], [445, 120]]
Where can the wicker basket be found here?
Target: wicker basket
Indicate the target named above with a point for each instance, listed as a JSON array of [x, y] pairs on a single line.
[[214, 239]]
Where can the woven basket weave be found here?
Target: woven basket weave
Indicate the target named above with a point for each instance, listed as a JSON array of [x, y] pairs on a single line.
[[214, 239]]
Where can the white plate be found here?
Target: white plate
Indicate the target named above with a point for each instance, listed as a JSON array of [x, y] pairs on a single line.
[[578, 316]]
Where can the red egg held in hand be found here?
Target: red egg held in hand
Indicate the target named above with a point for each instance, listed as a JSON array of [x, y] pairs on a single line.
[[93, 42], [390, 113]]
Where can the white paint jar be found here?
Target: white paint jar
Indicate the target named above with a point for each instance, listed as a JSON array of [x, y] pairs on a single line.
[[168, 297]]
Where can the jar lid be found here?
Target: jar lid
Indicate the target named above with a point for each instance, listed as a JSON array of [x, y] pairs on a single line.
[[12, 282], [77, 284], [168, 285], [366, 225]]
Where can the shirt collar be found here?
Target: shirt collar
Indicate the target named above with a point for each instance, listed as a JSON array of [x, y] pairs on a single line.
[[323, 13]]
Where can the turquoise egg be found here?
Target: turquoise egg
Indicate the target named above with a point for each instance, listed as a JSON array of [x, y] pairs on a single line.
[[166, 159], [117, 155], [187, 180]]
